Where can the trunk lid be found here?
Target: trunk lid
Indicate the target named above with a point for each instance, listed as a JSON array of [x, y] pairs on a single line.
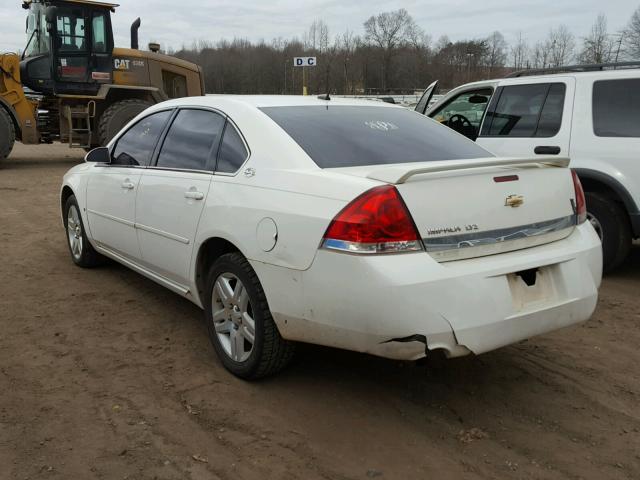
[[472, 208]]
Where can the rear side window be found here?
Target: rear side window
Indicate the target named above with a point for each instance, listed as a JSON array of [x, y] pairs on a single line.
[[233, 153], [192, 141], [526, 111], [136, 146], [348, 136], [616, 108]]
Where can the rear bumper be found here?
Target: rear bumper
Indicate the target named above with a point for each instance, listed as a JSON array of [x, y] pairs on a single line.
[[389, 305]]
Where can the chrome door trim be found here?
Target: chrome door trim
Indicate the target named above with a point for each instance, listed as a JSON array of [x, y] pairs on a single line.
[[162, 233], [111, 217]]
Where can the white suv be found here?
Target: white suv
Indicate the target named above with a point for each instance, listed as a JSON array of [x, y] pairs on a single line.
[[587, 113]]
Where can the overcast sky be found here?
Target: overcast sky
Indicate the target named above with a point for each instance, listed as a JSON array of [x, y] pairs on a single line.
[[174, 23]]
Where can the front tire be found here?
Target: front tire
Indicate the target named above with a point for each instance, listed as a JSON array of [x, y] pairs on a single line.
[[7, 134], [611, 222], [82, 252], [240, 325]]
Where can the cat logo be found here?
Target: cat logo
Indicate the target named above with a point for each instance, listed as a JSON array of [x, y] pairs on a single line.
[[121, 64], [514, 201]]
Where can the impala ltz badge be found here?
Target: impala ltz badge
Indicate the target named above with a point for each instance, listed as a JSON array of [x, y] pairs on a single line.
[[514, 201]]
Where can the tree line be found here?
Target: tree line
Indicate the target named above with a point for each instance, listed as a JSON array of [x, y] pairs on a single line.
[[395, 55]]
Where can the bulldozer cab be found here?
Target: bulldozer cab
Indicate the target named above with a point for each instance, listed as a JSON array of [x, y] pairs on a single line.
[[69, 46]]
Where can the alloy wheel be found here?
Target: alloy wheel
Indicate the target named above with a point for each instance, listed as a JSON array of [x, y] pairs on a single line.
[[233, 317], [74, 232]]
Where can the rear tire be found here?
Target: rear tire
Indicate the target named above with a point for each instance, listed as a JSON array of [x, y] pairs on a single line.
[[242, 315], [82, 252], [117, 116], [7, 134], [612, 224]]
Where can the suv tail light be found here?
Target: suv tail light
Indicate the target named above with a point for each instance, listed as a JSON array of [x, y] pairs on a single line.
[[375, 222], [581, 203]]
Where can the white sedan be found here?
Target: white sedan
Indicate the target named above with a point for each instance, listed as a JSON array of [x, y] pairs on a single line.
[[352, 224]]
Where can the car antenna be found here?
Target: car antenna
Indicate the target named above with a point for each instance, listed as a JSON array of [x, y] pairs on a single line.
[[324, 97]]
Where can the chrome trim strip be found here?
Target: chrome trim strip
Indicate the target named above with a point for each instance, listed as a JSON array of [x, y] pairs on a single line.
[[111, 217], [162, 233], [468, 240]]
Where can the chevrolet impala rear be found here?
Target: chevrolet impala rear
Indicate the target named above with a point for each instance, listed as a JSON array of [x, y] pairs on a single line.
[[435, 244]]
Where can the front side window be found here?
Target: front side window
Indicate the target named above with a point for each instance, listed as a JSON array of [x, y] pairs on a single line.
[[192, 141], [135, 148], [349, 136], [33, 36], [465, 112], [233, 153], [616, 108], [526, 111]]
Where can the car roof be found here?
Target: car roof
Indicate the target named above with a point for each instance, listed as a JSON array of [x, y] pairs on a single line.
[[261, 101]]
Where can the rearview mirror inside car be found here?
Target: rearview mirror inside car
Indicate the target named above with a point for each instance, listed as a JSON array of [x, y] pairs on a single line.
[[98, 155], [478, 99]]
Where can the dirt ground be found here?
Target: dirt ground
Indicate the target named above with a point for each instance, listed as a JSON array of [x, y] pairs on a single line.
[[106, 375]]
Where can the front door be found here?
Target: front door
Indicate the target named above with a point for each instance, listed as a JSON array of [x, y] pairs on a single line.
[[173, 193], [112, 189]]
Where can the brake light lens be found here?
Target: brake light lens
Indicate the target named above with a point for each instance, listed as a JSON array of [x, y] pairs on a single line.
[[378, 221], [581, 203]]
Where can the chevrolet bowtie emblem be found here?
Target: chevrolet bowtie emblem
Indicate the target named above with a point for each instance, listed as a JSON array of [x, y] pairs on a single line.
[[514, 201]]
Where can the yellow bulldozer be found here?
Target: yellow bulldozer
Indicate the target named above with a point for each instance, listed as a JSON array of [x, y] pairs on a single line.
[[73, 86]]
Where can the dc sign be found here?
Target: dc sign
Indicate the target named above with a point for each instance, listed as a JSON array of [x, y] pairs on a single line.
[[304, 61]]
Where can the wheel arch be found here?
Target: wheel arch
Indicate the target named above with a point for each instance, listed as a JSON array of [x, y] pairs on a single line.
[[65, 193], [210, 250], [595, 181]]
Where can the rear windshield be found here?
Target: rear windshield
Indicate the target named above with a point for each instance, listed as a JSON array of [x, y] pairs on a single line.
[[350, 136]]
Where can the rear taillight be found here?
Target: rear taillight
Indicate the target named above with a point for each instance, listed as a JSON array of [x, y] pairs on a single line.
[[581, 203], [376, 222]]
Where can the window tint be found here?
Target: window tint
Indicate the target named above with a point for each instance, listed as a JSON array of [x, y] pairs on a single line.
[[526, 111], [616, 108], [136, 146], [99, 30], [345, 136], [551, 116], [233, 153], [191, 140]]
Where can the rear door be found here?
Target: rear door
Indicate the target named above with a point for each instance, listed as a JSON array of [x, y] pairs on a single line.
[[112, 189], [528, 117], [173, 192]]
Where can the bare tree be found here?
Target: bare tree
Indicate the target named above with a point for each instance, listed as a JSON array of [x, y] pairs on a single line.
[[496, 51], [520, 52], [562, 46], [598, 46], [632, 36], [388, 31]]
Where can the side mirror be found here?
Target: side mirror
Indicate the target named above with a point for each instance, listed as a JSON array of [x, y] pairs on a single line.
[[98, 155], [51, 17]]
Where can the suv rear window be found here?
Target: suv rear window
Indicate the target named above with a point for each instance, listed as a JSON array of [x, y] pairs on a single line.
[[533, 110], [349, 136], [616, 108]]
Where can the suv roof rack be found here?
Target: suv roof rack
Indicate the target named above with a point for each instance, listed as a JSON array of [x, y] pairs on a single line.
[[575, 68]]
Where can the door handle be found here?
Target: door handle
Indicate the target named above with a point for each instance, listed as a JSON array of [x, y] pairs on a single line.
[[546, 150], [128, 185], [194, 195]]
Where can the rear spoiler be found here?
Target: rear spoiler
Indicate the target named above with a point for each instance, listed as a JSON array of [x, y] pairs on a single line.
[[396, 174]]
